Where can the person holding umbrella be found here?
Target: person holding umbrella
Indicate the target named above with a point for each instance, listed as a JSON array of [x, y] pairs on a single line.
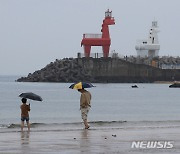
[[85, 104], [26, 108], [85, 100], [25, 113]]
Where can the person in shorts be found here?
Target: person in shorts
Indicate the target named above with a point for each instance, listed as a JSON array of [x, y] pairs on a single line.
[[85, 104], [25, 113]]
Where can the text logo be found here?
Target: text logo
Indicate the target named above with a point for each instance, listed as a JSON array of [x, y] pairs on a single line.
[[152, 144]]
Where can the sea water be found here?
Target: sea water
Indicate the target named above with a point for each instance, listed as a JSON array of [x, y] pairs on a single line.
[[113, 105]]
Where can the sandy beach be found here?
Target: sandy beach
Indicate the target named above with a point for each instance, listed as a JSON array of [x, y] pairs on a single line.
[[120, 116], [95, 140]]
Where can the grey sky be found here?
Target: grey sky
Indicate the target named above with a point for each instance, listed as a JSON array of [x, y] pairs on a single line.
[[34, 33]]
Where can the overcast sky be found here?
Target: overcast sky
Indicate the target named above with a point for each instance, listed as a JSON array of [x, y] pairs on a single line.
[[34, 33]]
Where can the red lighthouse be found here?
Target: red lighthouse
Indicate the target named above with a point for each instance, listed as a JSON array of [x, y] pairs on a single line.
[[103, 39]]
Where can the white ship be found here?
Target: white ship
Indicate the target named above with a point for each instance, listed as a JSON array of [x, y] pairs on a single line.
[[149, 47]]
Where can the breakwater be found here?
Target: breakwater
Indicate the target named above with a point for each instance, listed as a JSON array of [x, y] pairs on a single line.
[[112, 70]]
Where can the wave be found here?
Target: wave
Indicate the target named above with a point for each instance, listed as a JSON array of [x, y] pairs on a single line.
[[19, 125], [117, 124], [34, 125]]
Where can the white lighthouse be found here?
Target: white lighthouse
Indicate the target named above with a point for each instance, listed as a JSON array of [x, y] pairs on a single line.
[[149, 47]]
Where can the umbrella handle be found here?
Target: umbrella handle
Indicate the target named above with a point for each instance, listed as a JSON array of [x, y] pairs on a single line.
[[29, 102]]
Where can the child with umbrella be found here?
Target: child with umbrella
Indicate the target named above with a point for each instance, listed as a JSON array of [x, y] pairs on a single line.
[[25, 109], [25, 113]]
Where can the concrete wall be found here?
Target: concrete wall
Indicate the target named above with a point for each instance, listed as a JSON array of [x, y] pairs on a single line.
[[118, 70]]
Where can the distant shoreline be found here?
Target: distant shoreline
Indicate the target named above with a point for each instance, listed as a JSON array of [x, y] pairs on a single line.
[[13, 78], [9, 78], [164, 82]]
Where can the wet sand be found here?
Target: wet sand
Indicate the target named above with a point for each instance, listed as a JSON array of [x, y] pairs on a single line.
[[105, 141]]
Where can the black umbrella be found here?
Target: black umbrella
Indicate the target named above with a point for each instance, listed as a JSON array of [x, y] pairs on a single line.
[[31, 95]]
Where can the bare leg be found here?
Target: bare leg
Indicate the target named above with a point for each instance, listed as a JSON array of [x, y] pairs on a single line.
[[84, 114], [86, 124], [28, 125], [22, 126]]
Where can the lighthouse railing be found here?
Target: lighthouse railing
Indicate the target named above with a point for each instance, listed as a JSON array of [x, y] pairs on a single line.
[[92, 35], [98, 55]]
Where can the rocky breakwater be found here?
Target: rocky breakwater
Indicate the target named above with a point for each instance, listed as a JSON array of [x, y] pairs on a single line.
[[65, 70], [102, 70]]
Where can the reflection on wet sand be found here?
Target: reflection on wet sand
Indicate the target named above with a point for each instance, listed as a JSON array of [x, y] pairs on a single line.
[[85, 141], [25, 137]]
